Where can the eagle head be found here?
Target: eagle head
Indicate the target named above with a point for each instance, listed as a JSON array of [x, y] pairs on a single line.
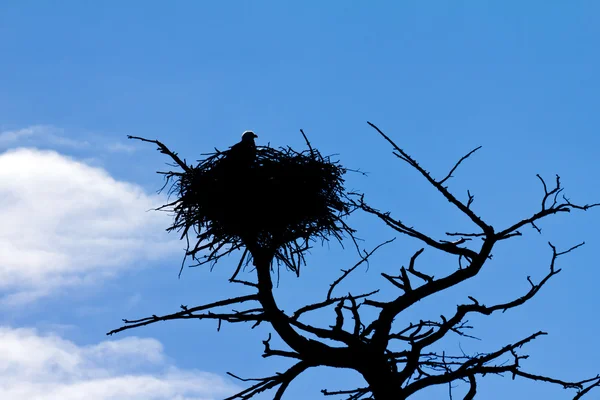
[[248, 136]]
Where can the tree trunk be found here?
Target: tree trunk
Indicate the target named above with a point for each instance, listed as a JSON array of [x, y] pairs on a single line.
[[382, 382]]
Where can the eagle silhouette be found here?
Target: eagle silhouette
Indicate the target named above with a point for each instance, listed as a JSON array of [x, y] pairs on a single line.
[[243, 154]]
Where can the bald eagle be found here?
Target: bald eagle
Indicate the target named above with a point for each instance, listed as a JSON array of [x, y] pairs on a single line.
[[243, 154]]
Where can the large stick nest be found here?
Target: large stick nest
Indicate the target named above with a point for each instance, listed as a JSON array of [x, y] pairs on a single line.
[[279, 202]]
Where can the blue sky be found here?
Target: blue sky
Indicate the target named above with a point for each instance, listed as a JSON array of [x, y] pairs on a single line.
[[79, 251]]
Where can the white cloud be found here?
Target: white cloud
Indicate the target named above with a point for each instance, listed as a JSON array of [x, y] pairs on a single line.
[[65, 223], [54, 137], [120, 147], [11, 137], [47, 367], [39, 134]]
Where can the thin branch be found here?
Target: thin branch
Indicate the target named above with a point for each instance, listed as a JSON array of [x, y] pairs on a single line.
[[412, 270], [398, 226], [457, 164], [268, 351], [354, 393], [467, 211], [330, 301], [307, 141], [583, 392], [554, 208], [163, 149], [282, 380], [363, 258], [239, 266], [475, 365], [185, 314]]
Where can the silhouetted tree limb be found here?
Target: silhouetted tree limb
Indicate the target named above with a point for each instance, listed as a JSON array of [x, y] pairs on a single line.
[[281, 380], [355, 394], [472, 388], [437, 184], [165, 150], [191, 313], [363, 259]]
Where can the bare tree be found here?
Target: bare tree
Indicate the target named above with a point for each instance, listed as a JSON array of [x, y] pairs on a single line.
[[365, 345]]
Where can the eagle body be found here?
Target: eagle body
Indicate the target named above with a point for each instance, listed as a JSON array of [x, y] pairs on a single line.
[[243, 154]]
